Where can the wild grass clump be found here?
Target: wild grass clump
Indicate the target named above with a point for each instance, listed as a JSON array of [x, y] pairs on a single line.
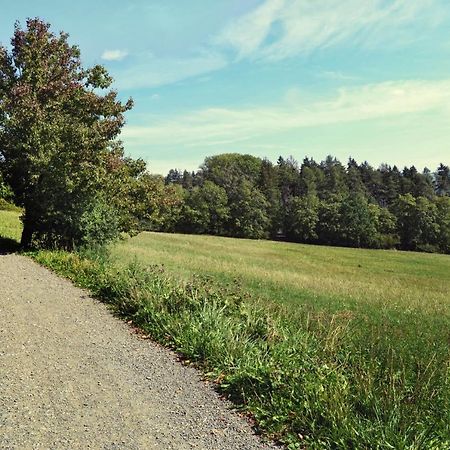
[[5, 205], [312, 384]]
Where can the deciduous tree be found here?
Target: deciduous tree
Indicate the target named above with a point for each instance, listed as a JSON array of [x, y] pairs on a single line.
[[57, 128]]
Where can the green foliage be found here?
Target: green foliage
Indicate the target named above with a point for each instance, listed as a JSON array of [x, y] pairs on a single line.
[[6, 193], [417, 222], [443, 223], [302, 219], [321, 383], [98, 223], [56, 132], [326, 203], [248, 212], [442, 180], [156, 206], [205, 210], [228, 169], [329, 225], [386, 227], [358, 224]]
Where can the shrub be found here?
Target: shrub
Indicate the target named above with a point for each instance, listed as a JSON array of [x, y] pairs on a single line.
[[98, 224]]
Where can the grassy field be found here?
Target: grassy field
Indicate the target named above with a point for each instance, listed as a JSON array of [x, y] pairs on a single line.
[[330, 348], [388, 291], [10, 226], [297, 275], [10, 229], [389, 310]]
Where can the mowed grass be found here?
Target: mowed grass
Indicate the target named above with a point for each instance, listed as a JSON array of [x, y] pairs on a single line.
[[297, 275], [10, 229]]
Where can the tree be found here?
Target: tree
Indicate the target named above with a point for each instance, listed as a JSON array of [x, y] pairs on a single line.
[[358, 222], [156, 205], [228, 169], [174, 177], [417, 222], [443, 222], [302, 219], [442, 180], [205, 210], [329, 227], [248, 212], [386, 226], [354, 180], [334, 180], [391, 181], [269, 187], [56, 133]]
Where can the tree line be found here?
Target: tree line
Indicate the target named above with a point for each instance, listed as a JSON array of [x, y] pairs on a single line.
[[323, 202]]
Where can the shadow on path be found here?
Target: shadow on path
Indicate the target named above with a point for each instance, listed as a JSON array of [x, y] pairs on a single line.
[[8, 246]]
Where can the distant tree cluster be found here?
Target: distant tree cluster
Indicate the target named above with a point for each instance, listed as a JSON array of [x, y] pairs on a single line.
[[330, 203]]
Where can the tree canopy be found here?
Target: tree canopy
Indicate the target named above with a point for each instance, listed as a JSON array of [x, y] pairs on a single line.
[[323, 202], [58, 136]]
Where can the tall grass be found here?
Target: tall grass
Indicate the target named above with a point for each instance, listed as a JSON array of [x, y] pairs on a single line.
[[319, 385]]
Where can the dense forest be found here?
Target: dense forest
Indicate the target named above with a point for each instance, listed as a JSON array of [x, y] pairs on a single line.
[[330, 203]]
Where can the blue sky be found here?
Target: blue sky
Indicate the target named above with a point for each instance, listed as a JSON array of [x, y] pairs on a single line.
[[363, 78]]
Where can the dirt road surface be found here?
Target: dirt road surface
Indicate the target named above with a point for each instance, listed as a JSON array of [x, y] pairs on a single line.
[[72, 376]]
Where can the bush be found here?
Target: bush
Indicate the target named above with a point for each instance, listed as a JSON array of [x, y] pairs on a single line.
[[98, 225]]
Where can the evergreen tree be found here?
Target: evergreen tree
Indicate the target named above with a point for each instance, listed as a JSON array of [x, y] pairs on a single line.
[[442, 180]]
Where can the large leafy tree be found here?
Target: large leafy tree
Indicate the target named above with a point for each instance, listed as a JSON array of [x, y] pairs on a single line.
[[417, 222], [58, 128], [248, 212], [442, 180], [302, 218], [206, 209]]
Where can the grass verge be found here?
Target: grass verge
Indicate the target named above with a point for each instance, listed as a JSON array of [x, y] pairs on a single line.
[[323, 384]]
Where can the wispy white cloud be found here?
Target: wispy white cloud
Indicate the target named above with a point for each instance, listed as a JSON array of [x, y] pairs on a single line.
[[279, 29], [150, 71], [114, 55], [283, 28], [220, 126]]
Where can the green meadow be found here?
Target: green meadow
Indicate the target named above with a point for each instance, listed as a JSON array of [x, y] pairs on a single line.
[[332, 347], [10, 228], [297, 275], [388, 310]]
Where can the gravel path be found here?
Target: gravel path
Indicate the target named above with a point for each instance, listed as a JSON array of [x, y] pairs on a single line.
[[74, 377]]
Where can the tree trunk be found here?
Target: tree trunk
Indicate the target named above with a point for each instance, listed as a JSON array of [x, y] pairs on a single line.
[[27, 234]]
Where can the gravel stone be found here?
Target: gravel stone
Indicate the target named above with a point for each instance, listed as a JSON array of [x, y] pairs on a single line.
[[72, 376]]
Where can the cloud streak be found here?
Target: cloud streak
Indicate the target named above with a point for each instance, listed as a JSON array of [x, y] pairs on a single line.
[[280, 29], [219, 126], [114, 55], [152, 72]]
